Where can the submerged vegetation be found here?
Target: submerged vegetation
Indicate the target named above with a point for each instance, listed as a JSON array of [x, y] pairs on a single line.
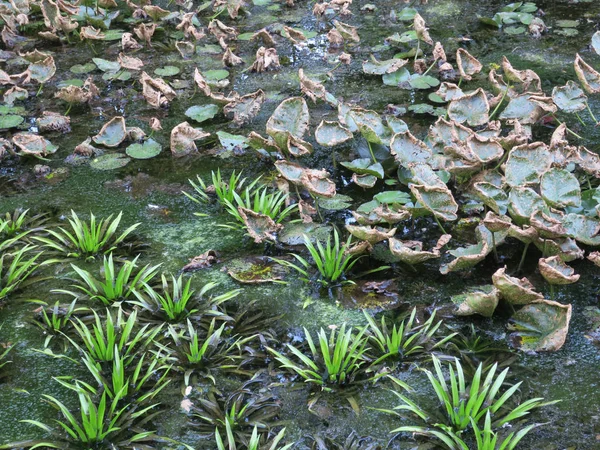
[[365, 144]]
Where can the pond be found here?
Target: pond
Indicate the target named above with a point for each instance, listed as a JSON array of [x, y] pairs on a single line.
[[444, 151]]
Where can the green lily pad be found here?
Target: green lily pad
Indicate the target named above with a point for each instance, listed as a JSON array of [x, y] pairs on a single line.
[[255, 269], [73, 82], [437, 200], [109, 161], [407, 14], [375, 67], [422, 108], [216, 75], [293, 233], [492, 196], [541, 326], [526, 164], [124, 75], [423, 81], [167, 71], [112, 133], [514, 290], [83, 68], [113, 35], [6, 109], [330, 134], [106, 66], [10, 121], [523, 202], [245, 36], [570, 98], [232, 141], [149, 149], [565, 23], [515, 30], [365, 166], [337, 203], [201, 113], [290, 118], [481, 300], [395, 78], [582, 228], [390, 197], [560, 188], [472, 108]]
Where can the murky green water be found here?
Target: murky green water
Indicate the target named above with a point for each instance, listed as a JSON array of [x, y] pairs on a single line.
[[149, 192]]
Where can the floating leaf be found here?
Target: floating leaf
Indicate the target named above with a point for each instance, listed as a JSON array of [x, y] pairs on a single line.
[[588, 77], [423, 81], [560, 188], [526, 164], [83, 68], [391, 197], [411, 252], [259, 226], [243, 109], [370, 234], [112, 133], [437, 200], [467, 64], [216, 75], [570, 98], [374, 67], [364, 166], [472, 108], [167, 71], [336, 203], [514, 290], [149, 149], [107, 66], [541, 326], [293, 233], [330, 134], [255, 269], [582, 228], [408, 150], [183, 137], [202, 113], [481, 300], [555, 271], [232, 141], [10, 121], [32, 144], [109, 161], [523, 202], [290, 118]]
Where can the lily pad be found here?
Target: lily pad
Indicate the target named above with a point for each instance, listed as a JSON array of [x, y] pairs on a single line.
[[408, 150], [365, 166], [109, 161], [112, 133], [216, 75], [541, 326], [149, 149], [526, 164], [560, 188], [255, 270], [232, 141], [523, 202], [167, 71], [391, 197], [582, 228], [330, 134], [514, 290], [293, 233], [570, 97], [472, 108], [437, 200], [555, 271], [33, 144], [336, 203], [202, 113], [106, 66], [83, 68], [10, 121], [481, 300], [375, 67], [290, 118]]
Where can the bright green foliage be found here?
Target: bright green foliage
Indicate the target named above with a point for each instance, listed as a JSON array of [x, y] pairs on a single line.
[[87, 239], [102, 423], [336, 361], [237, 414], [332, 261], [253, 444], [103, 341], [467, 405], [203, 351], [406, 340], [16, 268], [224, 190], [56, 320], [260, 201], [177, 301], [116, 286], [19, 223]]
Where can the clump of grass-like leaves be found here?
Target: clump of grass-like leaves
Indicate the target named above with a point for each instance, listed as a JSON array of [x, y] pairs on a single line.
[[332, 261], [175, 301], [238, 414], [260, 201], [87, 239], [333, 362], [223, 189], [55, 321], [19, 223], [255, 442], [405, 340], [16, 267], [466, 406], [116, 285]]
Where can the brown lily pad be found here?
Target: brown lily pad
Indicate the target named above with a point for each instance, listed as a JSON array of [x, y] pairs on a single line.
[[555, 271], [514, 290], [481, 300], [255, 270]]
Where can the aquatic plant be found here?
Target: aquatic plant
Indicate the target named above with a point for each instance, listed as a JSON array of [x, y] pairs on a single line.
[[176, 301], [237, 414], [117, 286], [405, 340], [103, 423], [466, 404], [253, 444], [260, 201], [202, 352], [5, 349], [55, 321], [337, 361], [16, 268], [87, 239], [19, 222], [352, 442], [332, 261], [104, 339], [222, 189]]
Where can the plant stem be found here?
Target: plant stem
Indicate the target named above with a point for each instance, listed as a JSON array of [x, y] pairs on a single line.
[[68, 109], [39, 91], [494, 247], [568, 129], [371, 152], [430, 67], [439, 224], [551, 292], [523, 258], [590, 111], [418, 48], [317, 207], [499, 103], [580, 119]]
